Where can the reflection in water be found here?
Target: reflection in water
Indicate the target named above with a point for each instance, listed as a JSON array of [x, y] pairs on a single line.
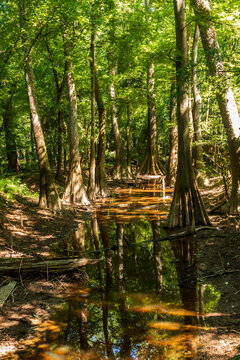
[[143, 301]]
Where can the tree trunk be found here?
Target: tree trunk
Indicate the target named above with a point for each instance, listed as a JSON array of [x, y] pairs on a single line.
[[173, 139], [92, 168], [224, 93], [101, 177], [75, 190], [120, 170], [59, 90], [197, 113], [187, 208], [151, 164], [48, 193], [128, 137]]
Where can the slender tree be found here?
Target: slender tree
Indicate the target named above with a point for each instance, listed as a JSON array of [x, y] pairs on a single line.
[[151, 164], [224, 93], [173, 138], [92, 168], [75, 190], [196, 112], [48, 192], [101, 177], [120, 170], [187, 208], [60, 120]]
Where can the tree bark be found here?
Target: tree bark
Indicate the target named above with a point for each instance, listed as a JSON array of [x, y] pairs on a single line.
[[197, 113], [224, 93], [59, 90], [187, 208], [48, 193], [151, 164], [173, 138], [75, 190], [92, 167], [101, 177], [120, 170]]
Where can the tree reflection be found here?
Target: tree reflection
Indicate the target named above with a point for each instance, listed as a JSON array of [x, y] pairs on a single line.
[[186, 266]]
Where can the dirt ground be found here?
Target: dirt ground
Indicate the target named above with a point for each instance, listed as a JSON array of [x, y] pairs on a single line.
[[26, 231]]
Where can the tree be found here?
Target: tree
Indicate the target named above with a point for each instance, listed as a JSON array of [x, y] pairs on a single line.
[[151, 164], [48, 193], [224, 93], [92, 167], [173, 137], [187, 208], [75, 190], [196, 112]]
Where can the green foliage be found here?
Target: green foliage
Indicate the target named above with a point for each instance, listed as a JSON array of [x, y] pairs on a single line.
[[13, 188], [211, 297]]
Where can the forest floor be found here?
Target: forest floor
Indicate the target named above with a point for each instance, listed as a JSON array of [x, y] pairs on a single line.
[[26, 231]]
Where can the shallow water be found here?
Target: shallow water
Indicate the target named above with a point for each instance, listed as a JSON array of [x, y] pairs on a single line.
[[144, 299]]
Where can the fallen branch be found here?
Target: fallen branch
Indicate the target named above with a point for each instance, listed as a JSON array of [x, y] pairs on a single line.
[[45, 265], [220, 273]]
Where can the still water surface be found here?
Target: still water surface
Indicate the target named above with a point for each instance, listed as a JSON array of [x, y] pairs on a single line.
[[144, 299]]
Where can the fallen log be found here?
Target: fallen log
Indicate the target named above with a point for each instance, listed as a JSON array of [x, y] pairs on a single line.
[[44, 265]]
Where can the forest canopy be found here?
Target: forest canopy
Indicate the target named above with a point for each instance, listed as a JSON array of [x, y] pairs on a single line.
[[93, 91]]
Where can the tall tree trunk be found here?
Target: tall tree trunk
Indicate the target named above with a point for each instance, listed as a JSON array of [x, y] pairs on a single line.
[[128, 136], [224, 93], [92, 168], [75, 190], [197, 113], [48, 193], [173, 138], [120, 170], [187, 208], [101, 177], [59, 90], [151, 164]]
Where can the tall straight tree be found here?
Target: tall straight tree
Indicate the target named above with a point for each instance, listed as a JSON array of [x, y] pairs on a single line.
[[120, 170], [173, 137], [151, 164], [187, 208], [196, 111], [92, 167], [75, 191], [48, 193], [101, 176], [224, 93]]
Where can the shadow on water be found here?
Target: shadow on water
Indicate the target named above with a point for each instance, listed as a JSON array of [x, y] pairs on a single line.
[[143, 301]]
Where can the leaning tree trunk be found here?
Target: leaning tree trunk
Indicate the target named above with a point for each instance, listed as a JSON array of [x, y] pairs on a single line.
[[224, 93], [101, 177], [92, 167], [48, 193], [197, 113], [75, 190], [187, 208], [151, 164]]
